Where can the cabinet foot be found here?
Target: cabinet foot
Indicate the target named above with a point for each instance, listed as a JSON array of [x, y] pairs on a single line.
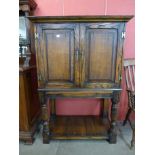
[[112, 138], [46, 139], [28, 141], [27, 137]]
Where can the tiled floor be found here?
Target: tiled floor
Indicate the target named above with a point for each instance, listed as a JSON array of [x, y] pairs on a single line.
[[81, 147]]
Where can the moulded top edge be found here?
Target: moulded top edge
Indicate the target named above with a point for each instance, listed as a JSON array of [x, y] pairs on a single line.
[[79, 89], [108, 18]]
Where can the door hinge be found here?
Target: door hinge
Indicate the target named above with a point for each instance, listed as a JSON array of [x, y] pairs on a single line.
[[36, 36], [123, 35], [120, 77]]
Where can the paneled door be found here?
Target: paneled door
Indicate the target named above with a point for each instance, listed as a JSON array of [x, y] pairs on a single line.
[[56, 48], [101, 52]]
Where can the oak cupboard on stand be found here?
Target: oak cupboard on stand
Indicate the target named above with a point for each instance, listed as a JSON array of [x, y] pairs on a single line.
[[79, 57]]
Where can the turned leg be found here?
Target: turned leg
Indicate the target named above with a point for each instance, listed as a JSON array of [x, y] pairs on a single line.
[[127, 116], [46, 119], [132, 124], [104, 110], [53, 110], [114, 107]]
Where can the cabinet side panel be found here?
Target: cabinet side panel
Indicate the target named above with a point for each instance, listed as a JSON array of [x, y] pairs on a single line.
[[23, 101]]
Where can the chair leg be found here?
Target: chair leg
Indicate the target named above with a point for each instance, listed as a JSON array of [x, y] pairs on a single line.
[[127, 116], [133, 136]]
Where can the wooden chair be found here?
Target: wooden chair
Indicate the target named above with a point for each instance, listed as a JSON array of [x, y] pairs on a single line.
[[129, 69]]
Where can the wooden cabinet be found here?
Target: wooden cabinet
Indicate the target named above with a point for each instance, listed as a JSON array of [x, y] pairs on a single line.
[[79, 57], [29, 107]]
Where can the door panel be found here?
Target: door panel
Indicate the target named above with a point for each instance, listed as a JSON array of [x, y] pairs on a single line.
[[58, 43], [99, 45], [60, 52]]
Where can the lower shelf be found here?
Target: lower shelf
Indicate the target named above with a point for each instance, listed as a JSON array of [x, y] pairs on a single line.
[[78, 127]]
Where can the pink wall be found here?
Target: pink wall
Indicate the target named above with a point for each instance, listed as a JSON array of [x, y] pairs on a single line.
[[92, 7]]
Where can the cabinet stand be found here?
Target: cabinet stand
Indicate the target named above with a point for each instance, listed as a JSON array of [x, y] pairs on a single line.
[[79, 127]]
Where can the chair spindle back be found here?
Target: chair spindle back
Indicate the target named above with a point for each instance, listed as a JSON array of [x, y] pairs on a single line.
[[129, 68]]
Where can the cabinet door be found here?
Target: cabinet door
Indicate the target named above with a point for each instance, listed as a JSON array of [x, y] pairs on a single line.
[[56, 45], [101, 52]]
